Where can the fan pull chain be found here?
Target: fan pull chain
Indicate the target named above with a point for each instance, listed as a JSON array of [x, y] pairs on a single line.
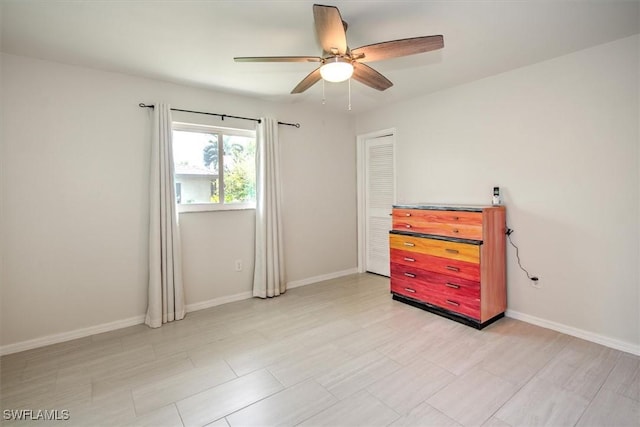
[[349, 94], [324, 100]]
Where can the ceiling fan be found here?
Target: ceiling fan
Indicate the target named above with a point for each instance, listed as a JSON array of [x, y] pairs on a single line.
[[339, 63]]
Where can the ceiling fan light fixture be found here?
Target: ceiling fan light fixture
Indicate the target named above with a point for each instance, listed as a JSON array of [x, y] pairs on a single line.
[[336, 69]]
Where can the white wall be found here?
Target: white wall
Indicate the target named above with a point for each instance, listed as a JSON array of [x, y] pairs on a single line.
[[74, 163], [560, 138]]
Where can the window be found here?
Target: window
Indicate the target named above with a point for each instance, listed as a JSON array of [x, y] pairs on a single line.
[[206, 180]]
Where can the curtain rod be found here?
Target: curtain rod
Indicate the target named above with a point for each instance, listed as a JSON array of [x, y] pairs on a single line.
[[222, 116]]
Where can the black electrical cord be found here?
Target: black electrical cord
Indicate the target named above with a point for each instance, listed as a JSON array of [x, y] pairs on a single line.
[[530, 277]]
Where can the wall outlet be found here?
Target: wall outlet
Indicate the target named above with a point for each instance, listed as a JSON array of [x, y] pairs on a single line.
[[238, 265], [535, 282]]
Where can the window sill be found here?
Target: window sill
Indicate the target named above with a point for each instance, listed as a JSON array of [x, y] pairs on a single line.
[[206, 207]]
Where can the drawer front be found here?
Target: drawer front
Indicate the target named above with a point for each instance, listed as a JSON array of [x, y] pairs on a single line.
[[435, 283], [410, 289], [440, 248], [418, 291], [448, 266], [464, 225], [466, 307]]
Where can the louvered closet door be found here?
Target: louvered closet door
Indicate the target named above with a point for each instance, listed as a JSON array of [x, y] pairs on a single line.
[[380, 195]]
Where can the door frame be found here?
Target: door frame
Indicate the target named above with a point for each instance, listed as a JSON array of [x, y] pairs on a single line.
[[362, 191]]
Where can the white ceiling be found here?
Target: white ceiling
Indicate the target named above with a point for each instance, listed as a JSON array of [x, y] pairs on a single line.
[[194, 42]]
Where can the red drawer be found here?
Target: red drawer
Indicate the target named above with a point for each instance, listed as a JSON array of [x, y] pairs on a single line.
[[447, 266], [469, 307], [435, 282], [413, 290], [451, 293], [466, 306]]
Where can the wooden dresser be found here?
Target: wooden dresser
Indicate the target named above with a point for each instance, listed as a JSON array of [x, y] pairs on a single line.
[[450, 260]]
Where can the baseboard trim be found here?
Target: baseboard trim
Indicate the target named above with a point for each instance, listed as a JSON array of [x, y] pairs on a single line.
[[68, 336], [110, 326], [247, 295], [119, 324], [575, 332], [321, 278], [218, 301]]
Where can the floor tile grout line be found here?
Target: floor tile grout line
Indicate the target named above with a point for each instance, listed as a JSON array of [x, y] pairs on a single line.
[[597, 392], [584, 411], [200, 391], [521, 387], [179, 414], [532, 376], [324, 409], [287, 388], [248, 405]]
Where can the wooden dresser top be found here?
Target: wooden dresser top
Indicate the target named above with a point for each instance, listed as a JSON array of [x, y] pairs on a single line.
[[442, 207]]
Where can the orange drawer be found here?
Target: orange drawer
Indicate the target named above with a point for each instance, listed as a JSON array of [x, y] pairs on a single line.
[[452, 267], [441, 248], [460, 224]]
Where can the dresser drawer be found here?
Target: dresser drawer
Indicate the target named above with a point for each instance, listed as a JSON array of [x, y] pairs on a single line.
[[417, 291], [440, 248], [412, 290], [413, 276], [435, 283], [460, 224], [452, 267], [465, 306]]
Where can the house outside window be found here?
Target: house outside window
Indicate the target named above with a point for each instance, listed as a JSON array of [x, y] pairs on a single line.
[[206, 180]]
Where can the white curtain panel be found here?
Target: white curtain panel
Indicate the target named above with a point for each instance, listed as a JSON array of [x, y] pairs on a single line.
[[166, 293], [269, 274]]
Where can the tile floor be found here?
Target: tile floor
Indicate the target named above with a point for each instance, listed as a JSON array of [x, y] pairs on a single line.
[[336, 353]]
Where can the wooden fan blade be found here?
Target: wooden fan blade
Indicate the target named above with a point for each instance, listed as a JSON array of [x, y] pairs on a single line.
[[397, 48], [313, 78], [370, 77], [330, 29], [277, 59]]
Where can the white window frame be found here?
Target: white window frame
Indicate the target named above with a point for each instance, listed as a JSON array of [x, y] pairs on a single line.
[[207, 207]]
